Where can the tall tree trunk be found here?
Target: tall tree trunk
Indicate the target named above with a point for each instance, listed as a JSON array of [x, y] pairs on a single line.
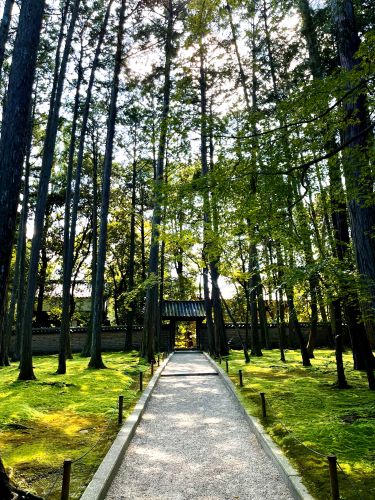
[[253, 261], [337, 334], [143, 238], [208, 311], [293, 319], [308, 31], [271, 61], [262, 313], [258, 308], [14, 133], [96, 355], [297, 327], [280, 319], [65, 315], [280, 324], [219, 324], [42, 274], [313, 283], [4, 31], [64, 343], [212, 331], [26, 369], [86, 350], [22, 248], [8, 323], [360, 345], [245, 285], [131, 312], [151, 318], [71, 221], [243, 76], [356, 163], [19, 273], [161, 293]]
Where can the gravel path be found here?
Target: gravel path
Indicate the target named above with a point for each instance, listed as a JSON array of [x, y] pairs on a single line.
[[194, 443]]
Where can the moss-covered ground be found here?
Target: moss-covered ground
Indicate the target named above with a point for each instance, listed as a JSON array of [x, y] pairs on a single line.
[[56, 417], [304, 406]]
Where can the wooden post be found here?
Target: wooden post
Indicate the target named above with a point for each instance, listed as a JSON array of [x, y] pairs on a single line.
[[226, 366], [264, 409], [120, 407], [66, 479], [158, 360], [332, 463], [141, 381], [240, 375], [152, 367]]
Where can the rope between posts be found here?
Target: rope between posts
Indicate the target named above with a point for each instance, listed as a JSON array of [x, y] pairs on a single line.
[[287, 429], [52, 487], [312, 450], [352, 483], [56, 475], [98, 440]]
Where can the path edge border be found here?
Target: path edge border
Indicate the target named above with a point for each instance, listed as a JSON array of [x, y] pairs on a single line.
[[101, 481], [288, 472]]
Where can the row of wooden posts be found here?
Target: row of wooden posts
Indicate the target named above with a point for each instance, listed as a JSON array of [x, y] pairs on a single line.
[[67, 467], [332, 459]]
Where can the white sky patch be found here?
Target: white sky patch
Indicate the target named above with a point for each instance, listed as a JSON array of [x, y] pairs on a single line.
[[227, 289]]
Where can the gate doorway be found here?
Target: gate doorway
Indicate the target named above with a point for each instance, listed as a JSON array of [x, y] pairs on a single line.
[[186, 335], [185, 321]]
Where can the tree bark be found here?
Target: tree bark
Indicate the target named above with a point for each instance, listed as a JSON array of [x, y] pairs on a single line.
[[65, 315], [151, 318], [26, 369], [42, 275], [208, 311], [9, 491], [86, 350], [130, 313], [96, 355], [4, 31], [337, 334], [253, 260], [22, 248], [71, 219], [212, 332], [297, 327], [357, 168], [14, 135], [341, 240], [293, 319]]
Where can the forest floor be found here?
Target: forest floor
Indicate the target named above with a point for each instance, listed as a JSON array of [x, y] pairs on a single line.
[[56, 417], [303, 406]]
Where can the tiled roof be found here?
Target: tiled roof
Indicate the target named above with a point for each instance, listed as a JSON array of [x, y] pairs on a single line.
[[183, 309]]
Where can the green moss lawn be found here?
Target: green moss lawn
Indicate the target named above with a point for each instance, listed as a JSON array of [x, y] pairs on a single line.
[[55, 417], [305, 402]]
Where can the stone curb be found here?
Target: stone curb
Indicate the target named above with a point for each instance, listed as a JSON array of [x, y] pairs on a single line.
[[99, 484], [287, 471]]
